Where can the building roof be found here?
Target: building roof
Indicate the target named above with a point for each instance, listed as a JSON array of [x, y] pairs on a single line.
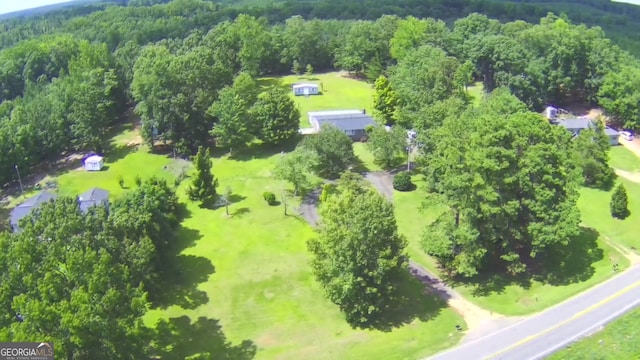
[[93, 197], [303, 85], [611, 132], [333, 112], [346, 122], [584, 123], [576, 123], [26, 207]]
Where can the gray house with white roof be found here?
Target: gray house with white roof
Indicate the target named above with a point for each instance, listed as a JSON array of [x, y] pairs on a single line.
[[351, 122], [576, 125]]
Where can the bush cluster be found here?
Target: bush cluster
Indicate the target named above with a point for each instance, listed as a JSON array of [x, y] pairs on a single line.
[[402, 181], [269, 197]]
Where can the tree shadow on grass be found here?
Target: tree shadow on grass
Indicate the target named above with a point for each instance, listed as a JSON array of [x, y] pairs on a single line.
[[179, 338], [277, 82], [557, 266], [180, 274], [262, 151], [416, 301], [564, 265], [115, 153]]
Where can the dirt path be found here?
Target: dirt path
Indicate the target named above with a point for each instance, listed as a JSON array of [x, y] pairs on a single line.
[[478, 320], [633, 145], [631, 176]]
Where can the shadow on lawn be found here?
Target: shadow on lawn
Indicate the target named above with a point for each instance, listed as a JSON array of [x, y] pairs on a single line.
[[415, 302], [261, 151], [277, 82], [180, 274], [558, 265], [180, 338]]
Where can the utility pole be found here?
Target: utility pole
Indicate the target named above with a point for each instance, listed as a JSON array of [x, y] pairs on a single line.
[[19, 179]]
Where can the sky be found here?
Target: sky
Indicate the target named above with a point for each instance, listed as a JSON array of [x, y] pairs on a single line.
[[7, 6]]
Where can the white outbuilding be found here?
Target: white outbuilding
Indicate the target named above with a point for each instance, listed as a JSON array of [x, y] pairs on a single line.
[[306, 89], [94, 163]]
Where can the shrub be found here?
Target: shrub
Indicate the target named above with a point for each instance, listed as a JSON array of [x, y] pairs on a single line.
[[121, 181], [619, 204], [269, 197], [327, 189], [402, 181], [138, 180]]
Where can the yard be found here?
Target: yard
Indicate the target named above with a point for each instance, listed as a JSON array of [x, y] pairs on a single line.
[[588, 262], [262, 288], [338, 93]]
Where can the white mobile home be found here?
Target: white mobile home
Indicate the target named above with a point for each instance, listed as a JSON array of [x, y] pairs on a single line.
[[306, 89], [94, 163]]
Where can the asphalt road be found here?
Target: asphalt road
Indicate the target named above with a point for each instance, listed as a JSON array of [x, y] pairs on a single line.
[[544, 333]]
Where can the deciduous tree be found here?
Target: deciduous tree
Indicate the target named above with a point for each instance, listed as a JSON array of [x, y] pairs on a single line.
[[277, 116], [388, 146], [591, 149], [508, 182], [363, 283], [233, 126], [385, 100], [334, 149], [296, 168]]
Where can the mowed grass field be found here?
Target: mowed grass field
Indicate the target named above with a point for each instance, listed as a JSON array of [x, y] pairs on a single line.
[[338, 93], [618, 340], [262, 289], [590, 260]]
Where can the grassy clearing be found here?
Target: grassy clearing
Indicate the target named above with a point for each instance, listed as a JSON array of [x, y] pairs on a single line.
[[338, 93], [621, 158], [263, 289], [476, 93], [588, 262], [619, 340]]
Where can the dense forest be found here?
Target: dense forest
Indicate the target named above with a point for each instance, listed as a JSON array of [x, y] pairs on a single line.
[[188, 69], [61, 91]]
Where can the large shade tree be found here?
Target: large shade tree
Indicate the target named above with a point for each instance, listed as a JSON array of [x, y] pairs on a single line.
[[358, 257], [509, 185]]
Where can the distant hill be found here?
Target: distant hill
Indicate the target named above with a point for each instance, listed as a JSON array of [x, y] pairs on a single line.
[[43, 10]]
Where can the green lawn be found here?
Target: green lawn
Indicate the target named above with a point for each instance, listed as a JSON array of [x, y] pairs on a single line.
[[618, 340], [263, 289], [338, 93], [621, 158], [589, 263], [476, 92]]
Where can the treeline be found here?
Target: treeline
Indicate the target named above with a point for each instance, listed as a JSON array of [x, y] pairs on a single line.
[[116, 22], [62, 94]]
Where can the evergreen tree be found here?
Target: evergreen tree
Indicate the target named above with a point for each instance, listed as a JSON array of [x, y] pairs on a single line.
[[203, 186], [309, 70], [619, 203], [385, 100]]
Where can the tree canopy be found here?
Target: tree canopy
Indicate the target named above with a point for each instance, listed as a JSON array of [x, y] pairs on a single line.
[[509, 186], [358, 256]]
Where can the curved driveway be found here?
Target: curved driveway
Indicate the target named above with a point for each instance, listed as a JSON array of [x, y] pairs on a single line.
[[546, 332]]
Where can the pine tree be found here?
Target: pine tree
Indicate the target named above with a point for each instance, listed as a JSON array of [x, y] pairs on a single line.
[[309, 70], [203, 186], [619, 203]]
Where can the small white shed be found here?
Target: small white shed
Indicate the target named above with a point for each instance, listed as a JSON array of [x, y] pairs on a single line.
[[94, 163], [306, 89]]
